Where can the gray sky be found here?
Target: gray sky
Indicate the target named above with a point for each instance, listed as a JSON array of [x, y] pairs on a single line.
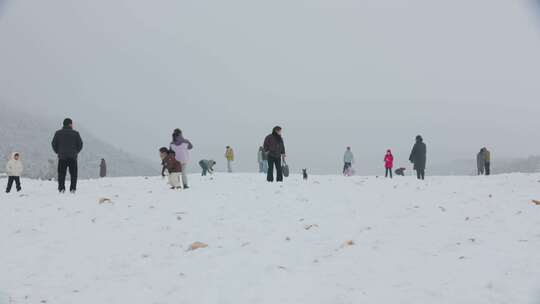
[[371, 74]]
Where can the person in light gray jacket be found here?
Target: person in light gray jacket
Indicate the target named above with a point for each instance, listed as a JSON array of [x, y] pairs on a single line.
[[348, 159]]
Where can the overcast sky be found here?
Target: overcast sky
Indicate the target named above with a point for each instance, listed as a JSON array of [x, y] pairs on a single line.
[[367, 73]]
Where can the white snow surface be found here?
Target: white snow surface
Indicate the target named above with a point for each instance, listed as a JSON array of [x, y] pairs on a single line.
[[443, 240]]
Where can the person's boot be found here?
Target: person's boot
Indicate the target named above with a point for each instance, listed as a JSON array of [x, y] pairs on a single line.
[[186, 187]]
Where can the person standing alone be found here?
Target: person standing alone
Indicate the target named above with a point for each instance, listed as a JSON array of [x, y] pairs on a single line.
[[229, 155], [67, 144], [418, 157], [274, 147], [388, 163], [14, 170], [103, 168], [348, 160]]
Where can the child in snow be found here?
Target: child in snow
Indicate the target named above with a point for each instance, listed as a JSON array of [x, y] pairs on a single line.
[[14, 170], [388, 163], [174, 167], [207, 166]]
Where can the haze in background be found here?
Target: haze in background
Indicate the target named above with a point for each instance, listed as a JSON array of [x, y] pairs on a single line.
[[371, 74]]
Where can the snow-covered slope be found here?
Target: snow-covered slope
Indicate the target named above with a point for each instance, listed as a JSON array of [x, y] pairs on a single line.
[[329, 240], [32, 135]]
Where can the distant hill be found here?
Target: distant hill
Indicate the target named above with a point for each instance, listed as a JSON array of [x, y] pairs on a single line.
[[32, 136]]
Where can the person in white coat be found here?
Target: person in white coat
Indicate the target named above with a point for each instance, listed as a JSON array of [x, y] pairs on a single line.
[[14, 170], [181, 148]]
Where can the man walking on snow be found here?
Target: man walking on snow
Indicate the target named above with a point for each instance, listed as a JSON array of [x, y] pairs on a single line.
[[67, 144]]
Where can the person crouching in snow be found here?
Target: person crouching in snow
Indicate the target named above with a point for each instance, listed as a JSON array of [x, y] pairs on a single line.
[[207, 166], [174, 167], [388, 163], [14, 170]]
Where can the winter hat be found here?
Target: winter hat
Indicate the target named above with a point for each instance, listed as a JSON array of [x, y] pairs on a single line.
[[67, 122]]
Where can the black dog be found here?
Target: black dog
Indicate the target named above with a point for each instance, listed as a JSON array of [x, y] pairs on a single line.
[[304, 174], [400, 171]]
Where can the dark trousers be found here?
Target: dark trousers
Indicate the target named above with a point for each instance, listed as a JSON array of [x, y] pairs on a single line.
[[346, 166], [388, 171], [272, 161], [204, 168], [17, 181], [420, 173], [63, 166], [488, 169]]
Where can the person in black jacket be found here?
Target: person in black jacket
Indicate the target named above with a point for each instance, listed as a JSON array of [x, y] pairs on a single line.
[[67, 144], [418, 157], [274, 148]]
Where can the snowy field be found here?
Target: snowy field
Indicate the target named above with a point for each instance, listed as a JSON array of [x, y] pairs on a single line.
[[329, 240]]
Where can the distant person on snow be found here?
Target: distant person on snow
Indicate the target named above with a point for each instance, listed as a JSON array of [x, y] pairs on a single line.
[[274, 147], [14, 170], [480, 161], [400, 171], [103, 168], [52, 169], [229, 156], [487, 161], [207, 166], [388, 163], [348, 160], [262, 160], [169, 163], [418, 157], [67, 144], [181, 147]]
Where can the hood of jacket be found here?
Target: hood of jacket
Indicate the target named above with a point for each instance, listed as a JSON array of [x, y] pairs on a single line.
[[12, 157], [179, 139]]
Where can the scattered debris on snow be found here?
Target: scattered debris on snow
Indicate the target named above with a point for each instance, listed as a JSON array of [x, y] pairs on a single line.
[[197, 245]]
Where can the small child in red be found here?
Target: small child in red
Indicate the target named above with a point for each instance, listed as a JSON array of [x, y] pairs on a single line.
[[388, 163]]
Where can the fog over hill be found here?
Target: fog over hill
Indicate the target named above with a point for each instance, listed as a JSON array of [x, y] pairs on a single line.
[[369, 74], [30, 135]]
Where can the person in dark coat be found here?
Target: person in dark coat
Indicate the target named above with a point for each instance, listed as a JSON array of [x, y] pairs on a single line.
[[480, 161], [67, 144], [207, 166], [103, 168], [274, 148], [418, 157]]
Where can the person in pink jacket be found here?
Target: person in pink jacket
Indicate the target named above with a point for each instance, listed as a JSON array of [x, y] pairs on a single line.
[[388, 163]]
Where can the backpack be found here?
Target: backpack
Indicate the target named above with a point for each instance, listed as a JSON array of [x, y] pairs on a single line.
[[285, 169]]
